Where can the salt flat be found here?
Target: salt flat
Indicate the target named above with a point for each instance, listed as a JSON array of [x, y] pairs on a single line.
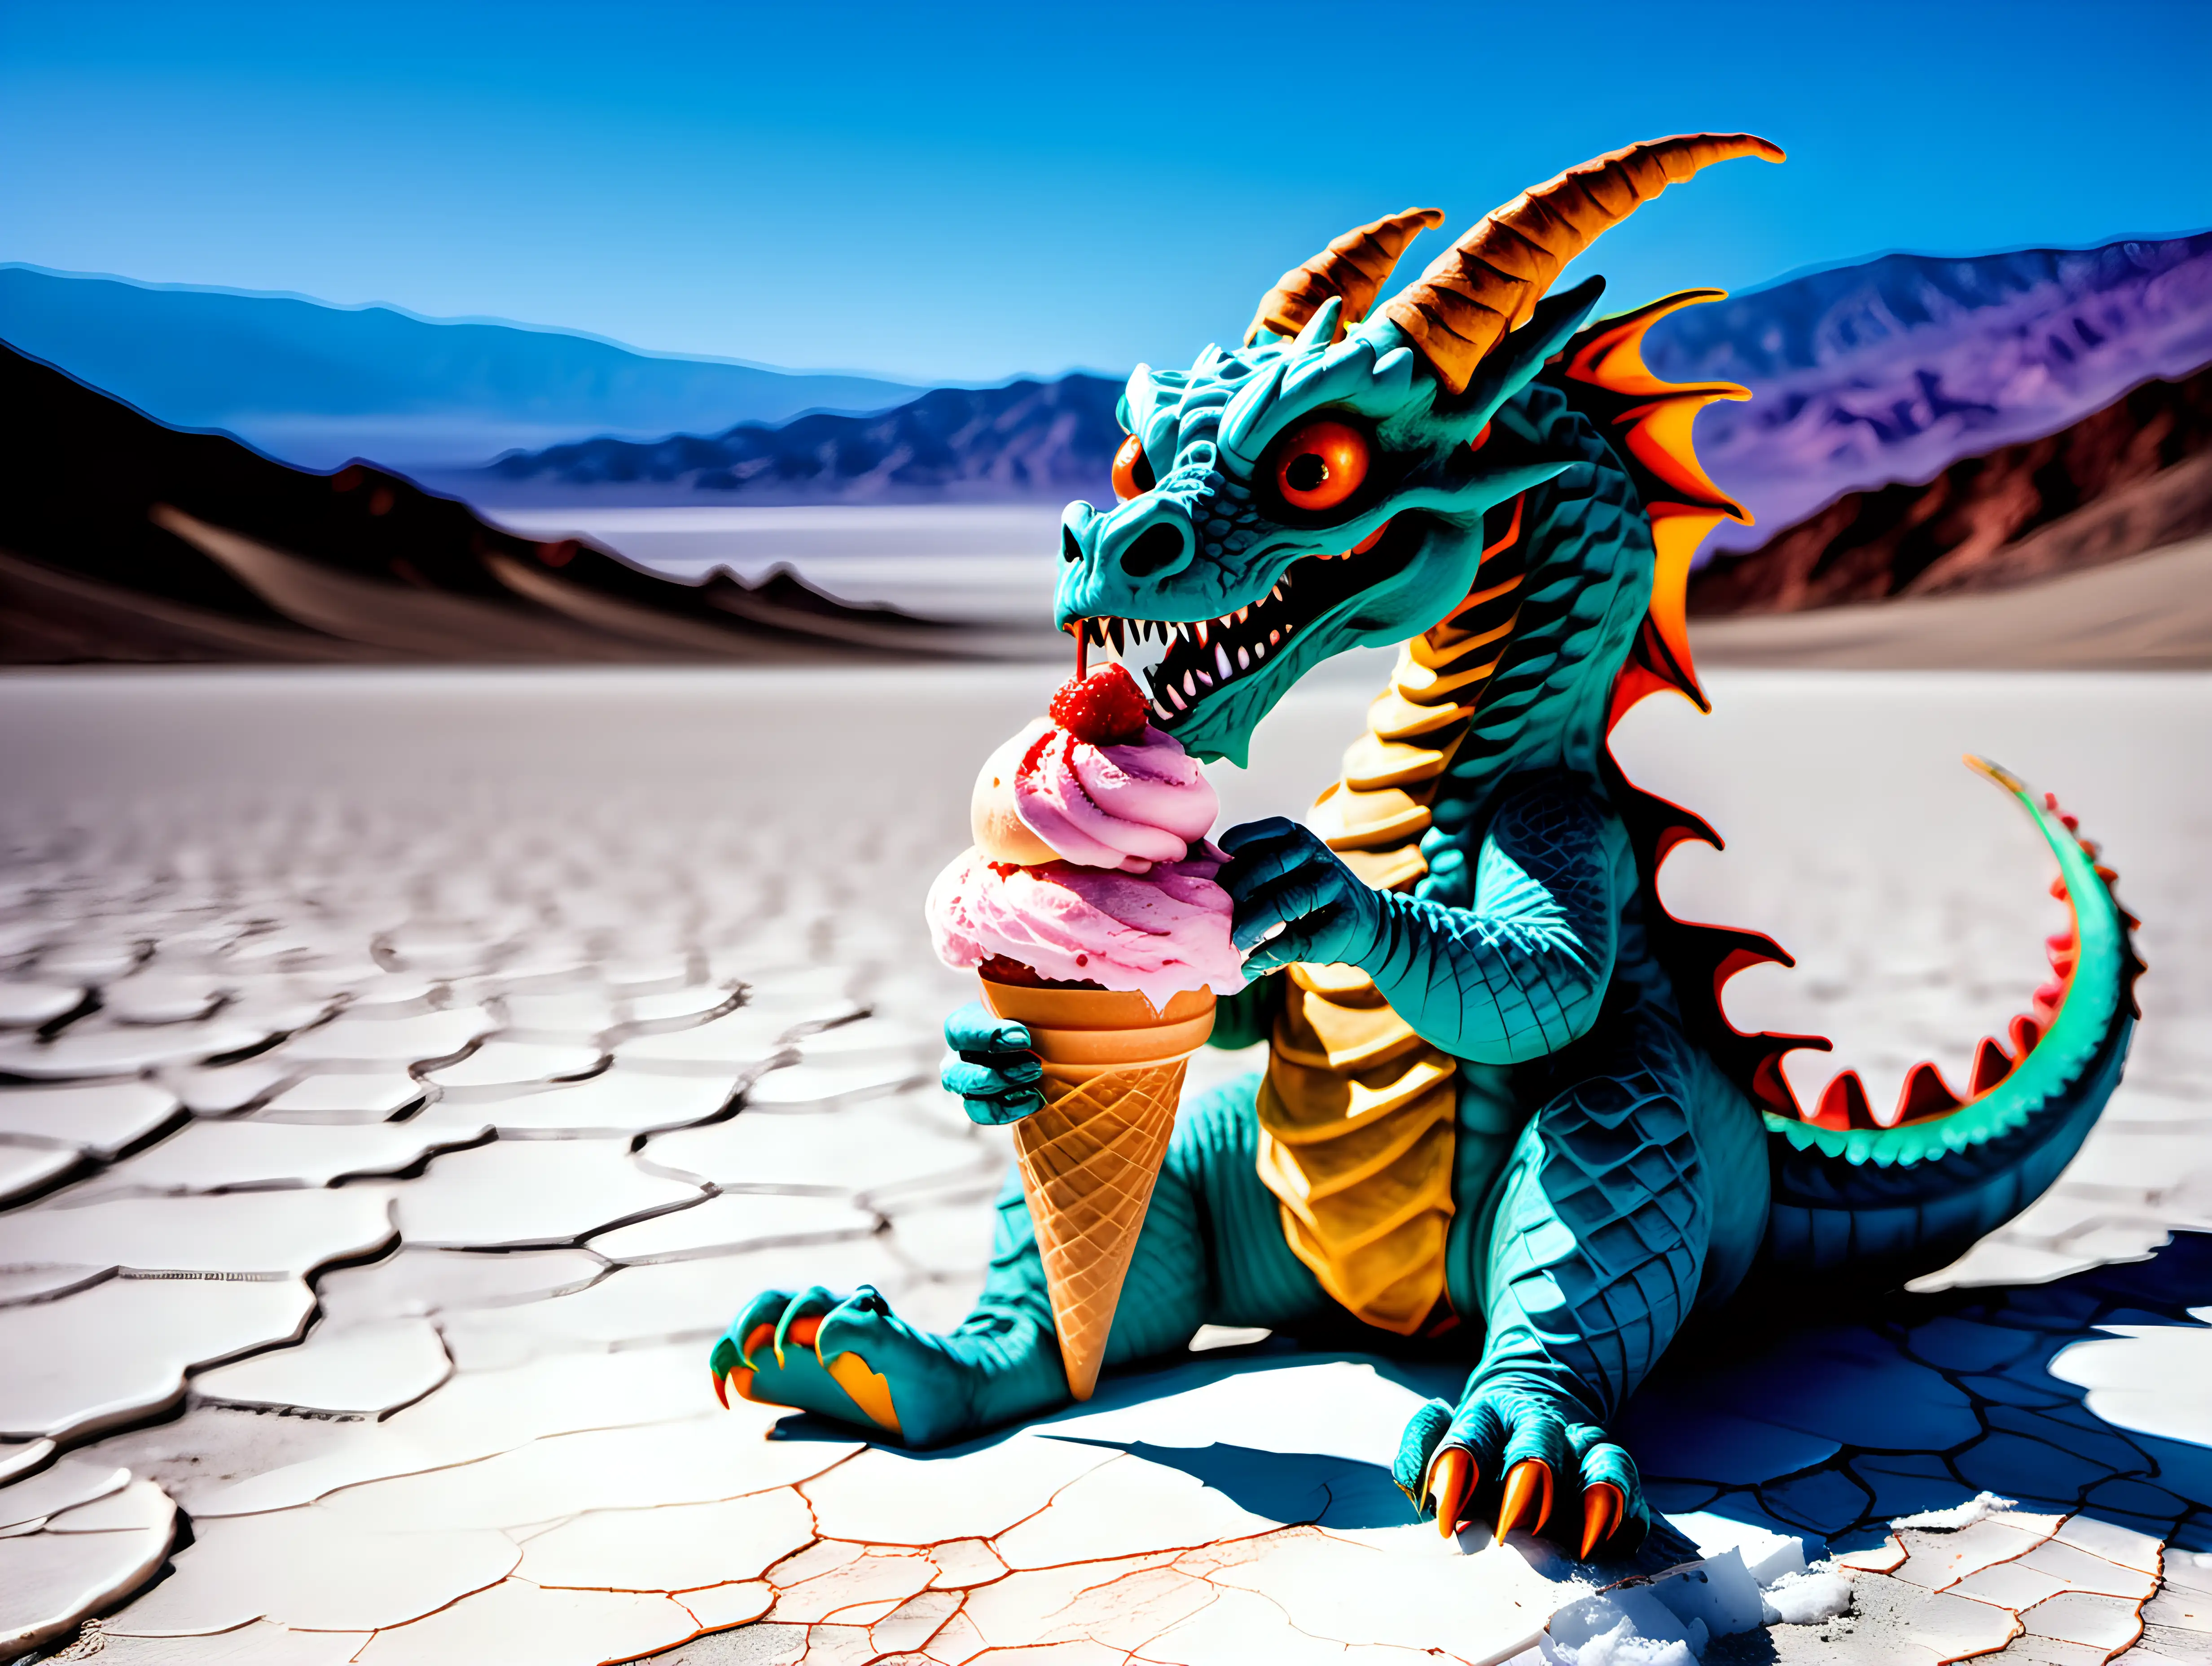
[[393, 1192]]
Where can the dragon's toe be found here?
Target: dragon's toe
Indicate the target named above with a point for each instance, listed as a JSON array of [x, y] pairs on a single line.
[[1520, 1439]]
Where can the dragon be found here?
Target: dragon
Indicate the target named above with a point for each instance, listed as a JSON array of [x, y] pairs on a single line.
[[1505, 1116]]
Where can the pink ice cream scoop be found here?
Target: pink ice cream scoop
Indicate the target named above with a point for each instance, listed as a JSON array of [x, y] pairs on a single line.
[[1126, 807], [1158, 932], [1090, 864]]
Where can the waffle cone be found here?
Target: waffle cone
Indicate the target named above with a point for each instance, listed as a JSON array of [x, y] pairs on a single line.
[[1113, 1074]]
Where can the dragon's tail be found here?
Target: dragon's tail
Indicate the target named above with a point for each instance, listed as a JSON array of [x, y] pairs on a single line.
[[1908, 1191]]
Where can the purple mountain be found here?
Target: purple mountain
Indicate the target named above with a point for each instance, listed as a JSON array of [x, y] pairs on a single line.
[[1893, 369]]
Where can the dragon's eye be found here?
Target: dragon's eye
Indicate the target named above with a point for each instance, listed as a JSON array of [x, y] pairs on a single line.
[[1320, 465], [1132, 471]]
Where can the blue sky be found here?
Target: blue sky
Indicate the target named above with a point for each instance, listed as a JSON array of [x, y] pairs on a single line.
[[969, 192]]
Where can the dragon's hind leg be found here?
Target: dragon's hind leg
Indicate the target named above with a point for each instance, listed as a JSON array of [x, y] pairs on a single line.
[[1590, 1262], [1211, 1250]]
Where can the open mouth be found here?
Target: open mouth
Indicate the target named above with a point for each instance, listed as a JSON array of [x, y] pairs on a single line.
[[1179, 662]]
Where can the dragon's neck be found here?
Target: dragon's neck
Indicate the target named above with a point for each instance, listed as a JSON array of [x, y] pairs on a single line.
[[1377, 813]]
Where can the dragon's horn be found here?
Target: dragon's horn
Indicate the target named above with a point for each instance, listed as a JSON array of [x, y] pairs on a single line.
[[1490, 280], [1356, 266]]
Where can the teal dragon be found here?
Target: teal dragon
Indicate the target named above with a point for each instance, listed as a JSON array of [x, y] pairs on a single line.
[[1505, 1116]]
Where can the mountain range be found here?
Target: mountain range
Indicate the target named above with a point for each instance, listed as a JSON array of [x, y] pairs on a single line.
[[1886, 371], [122, 539], [317, 386], [1890, 370], [2134, 476], [1027, 441]]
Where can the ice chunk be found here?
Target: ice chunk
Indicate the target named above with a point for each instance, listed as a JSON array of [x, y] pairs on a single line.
[[1767, 1555], [1807, 1598], [1718, 1593], [1626, 1626], [1963, 1514], [1619, 1646]]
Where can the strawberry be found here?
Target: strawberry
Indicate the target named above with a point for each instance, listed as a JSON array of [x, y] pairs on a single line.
[[1104, 708]]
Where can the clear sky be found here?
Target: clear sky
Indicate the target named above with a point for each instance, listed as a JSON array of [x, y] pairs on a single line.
[[970, 191]]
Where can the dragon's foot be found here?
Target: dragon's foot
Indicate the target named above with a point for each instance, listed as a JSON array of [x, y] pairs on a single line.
[[848, 1358], [1516, 1442]]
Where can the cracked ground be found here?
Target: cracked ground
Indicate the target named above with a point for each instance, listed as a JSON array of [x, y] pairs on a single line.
[[404, 1076]]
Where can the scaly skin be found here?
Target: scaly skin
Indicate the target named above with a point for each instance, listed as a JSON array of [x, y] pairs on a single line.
[[1610, 1173]]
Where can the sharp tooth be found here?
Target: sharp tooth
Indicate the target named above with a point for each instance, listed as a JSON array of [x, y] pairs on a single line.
[[1188, 687], [1259, 652], [1244, 659], [1276, 594], [1273, 637], [1221, 660], [1199, 630], [1176, 696]]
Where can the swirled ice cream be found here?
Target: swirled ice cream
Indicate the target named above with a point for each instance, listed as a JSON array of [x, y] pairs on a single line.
[[1090, 865]]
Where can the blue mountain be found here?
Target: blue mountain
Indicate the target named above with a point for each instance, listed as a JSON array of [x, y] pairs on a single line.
[[317, 385]]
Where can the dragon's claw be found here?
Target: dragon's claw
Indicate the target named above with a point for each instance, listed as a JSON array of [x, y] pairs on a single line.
[[1601, 1506], [1452, 1478], [1528, 1483]]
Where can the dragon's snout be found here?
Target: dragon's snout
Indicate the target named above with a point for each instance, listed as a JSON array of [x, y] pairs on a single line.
[[1149, 539]]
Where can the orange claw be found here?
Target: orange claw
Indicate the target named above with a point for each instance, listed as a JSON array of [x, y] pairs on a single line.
[[720, 1393], [1451, 1483], [1602, 1509], [1521, 1488]]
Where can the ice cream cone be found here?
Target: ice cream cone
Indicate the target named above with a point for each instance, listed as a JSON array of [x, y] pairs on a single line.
[[1113, 1074]]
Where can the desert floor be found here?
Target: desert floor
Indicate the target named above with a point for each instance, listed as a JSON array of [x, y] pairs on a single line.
[[370, 1045]]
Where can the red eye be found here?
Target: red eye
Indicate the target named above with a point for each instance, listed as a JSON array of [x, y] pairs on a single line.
[[1320, 465], [1132, 471]]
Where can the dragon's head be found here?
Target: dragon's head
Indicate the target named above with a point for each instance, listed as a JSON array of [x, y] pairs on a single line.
[[1322, 487]]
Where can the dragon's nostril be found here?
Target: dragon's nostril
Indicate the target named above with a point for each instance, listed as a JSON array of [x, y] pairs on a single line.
[[1159, 545], [1069, 548]]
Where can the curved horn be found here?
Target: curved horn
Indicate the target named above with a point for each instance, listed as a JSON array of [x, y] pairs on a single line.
[[1490, 280], [1356, 266]]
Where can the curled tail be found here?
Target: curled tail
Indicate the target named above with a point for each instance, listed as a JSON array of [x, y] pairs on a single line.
[[1908, 1190]]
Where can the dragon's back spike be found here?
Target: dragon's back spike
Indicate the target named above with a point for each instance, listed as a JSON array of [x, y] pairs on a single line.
[[1355, 266], [1490, 280]]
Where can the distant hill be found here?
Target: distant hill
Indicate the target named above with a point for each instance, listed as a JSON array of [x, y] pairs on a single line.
[[121, 539], [318, 386], [2134, 476], [1050, 440], [1890, 370]]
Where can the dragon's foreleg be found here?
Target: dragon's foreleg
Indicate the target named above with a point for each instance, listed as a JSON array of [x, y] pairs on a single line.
[[1210, 1251], [1587, 1265]]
